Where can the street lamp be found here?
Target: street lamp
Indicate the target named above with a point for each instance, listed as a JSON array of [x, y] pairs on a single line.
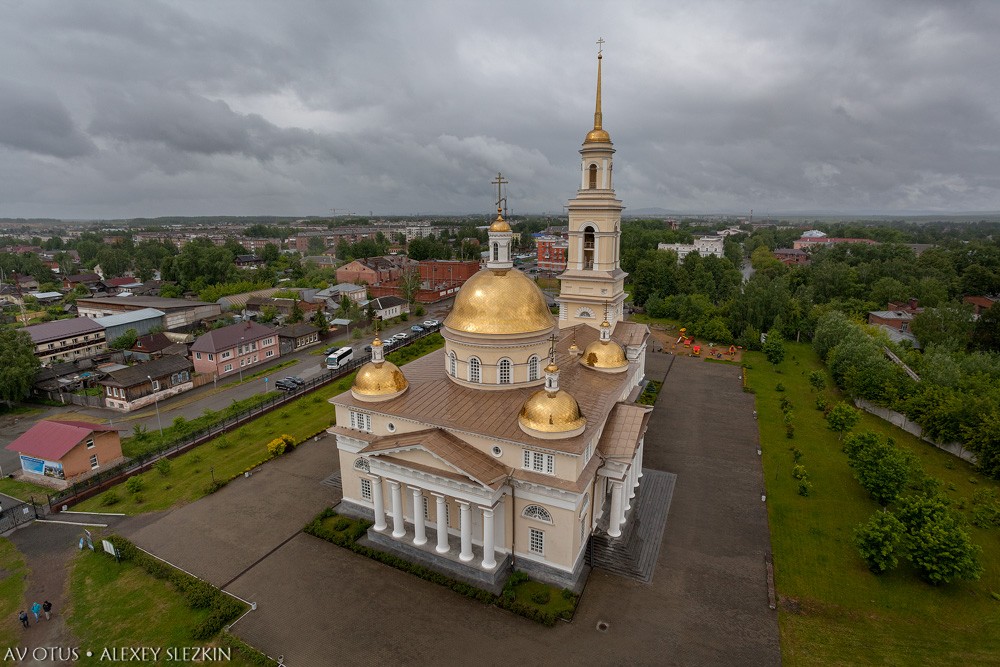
[[156, 403], [241, 359]]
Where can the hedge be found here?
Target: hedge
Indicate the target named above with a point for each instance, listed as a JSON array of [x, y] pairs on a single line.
[[197, 593], [347, 538]]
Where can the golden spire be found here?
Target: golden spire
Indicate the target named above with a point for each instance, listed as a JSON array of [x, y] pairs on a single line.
[[598, 135]]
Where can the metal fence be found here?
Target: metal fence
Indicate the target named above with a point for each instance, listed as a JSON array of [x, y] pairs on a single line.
[[103, 479], [12, 517]]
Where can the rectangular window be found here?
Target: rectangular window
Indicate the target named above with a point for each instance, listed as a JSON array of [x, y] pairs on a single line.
[[90, 443], [156, 385], [427, 512], [226, 355], [227, 368], [527, 459], [255, 358], [93, 461], [536, 541], [211, 357], [366, 489], [270, 353], [539, 462], [361, 421], [197, 355]]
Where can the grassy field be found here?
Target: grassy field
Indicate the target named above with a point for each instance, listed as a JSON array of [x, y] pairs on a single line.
[[13, 582], [23, 490], [119, 604], [833, 611], [191, 474]]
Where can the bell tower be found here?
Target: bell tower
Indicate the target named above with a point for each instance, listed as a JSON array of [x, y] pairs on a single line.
[[593, 278]]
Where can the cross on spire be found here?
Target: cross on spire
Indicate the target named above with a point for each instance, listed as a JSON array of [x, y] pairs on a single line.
[[500, 181], [600, 45]]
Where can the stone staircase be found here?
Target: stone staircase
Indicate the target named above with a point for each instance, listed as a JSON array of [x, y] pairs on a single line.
[[334, 481], [633, 555]]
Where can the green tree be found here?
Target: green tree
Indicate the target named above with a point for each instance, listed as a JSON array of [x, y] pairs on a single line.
[[268, 314], [296, 314], [320, 322], [937, 545], [879, 541], [879, 466], [316, 245], [817, 380], [842, 418], [125, 341], [270, 253], [949, 325], [18, 365], [409, 285], [774, 348]]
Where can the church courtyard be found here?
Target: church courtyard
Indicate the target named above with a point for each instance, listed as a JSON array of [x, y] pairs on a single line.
[[319, 604]]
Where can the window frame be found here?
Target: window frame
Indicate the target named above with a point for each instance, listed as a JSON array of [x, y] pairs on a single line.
[[536, 541]]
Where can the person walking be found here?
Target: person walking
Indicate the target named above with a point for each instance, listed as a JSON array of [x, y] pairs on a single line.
[[23, 617], [47, 608], [36, 609]]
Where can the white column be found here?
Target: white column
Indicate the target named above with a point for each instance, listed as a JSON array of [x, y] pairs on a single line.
[[442, 525], [615, 521], [379, 504], [489, 555], [627, 493], [642, 445], [633, 478], [398, 529], [419, 534], [466, 554]]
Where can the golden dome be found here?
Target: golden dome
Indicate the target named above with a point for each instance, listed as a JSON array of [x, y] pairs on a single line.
[[499, 302], [378, 381], [551, 413], [604, 355], [499, 225], [597, 136]]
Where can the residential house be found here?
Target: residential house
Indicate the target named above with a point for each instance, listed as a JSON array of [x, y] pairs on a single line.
[[791, 256], [705, 246], [387, 307], [292, 337], [142, 384], [550, 253], [88, 280], [249, 262], [57, 453], [980, 303], [227, 350], [66, 340]]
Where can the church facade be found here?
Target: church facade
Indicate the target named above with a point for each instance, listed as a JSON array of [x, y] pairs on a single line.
[[518, 440]]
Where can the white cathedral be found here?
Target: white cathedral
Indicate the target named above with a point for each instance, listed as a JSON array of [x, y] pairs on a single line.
[[521, 438]]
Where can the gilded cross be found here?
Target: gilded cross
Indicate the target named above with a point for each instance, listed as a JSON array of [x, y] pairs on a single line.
[[499, 181], [600, 45], [552, 347]]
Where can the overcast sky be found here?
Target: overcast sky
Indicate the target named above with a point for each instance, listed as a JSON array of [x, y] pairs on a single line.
[[123, 109]]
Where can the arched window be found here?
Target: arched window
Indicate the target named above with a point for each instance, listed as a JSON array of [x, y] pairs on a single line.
[[538, 513], [361, 463], [585, 313], [452, 364], [532, 368], [496, 252], [503, 371], [475, 370], [593, 177], [589, 250]]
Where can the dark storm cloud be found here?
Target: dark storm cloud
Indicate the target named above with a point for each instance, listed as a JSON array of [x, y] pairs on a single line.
[[35, 120], [294, 107]]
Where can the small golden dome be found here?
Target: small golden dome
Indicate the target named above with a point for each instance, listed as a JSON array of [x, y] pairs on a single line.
[[552, 413], [597, 136], [499, 225], [378, 381], [499, 302], [604, 355]]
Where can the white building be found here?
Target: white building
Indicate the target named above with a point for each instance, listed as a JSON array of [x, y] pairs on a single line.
[[705, 246]]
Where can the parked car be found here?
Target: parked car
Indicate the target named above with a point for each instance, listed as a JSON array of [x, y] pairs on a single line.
[[331, 350], [368, 349], [296, 379], [430, 324], [402, 335], [416, 328], [285, 385]]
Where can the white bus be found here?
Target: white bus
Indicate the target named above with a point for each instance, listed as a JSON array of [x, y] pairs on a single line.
[[339, 358]]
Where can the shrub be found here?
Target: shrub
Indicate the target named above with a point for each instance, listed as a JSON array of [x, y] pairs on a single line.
[[799, 471], [796, 454], [822, 404], [134, 484], [214, 486], [879, 541], [138, 498], [541, 597], [163, 466], [805, 487], [779, 387], [110, 498]]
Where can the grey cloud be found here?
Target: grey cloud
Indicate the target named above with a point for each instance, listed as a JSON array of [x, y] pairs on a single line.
[[35, 120]]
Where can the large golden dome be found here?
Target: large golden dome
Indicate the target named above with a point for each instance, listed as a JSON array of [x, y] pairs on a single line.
[[597, 136], [604, 355], [552, 413], [499, 225], [499, 302], [378, 382]]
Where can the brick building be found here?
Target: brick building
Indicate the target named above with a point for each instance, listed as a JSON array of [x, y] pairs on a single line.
[[551, 252], [225, 351]]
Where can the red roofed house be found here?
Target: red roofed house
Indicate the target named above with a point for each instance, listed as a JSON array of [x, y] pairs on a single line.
[[225, 351], [64, 450], [980, 303]]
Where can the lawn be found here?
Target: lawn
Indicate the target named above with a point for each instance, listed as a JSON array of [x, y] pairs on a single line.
[[119, 604], [191, 475], [832, 610], [24, 490], [13, 582]]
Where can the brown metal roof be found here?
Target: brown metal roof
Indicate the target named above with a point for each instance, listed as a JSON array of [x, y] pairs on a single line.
[[625, 427], [453, 450]]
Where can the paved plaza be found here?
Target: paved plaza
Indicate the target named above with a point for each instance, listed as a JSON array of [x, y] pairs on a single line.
[[319, 604]]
